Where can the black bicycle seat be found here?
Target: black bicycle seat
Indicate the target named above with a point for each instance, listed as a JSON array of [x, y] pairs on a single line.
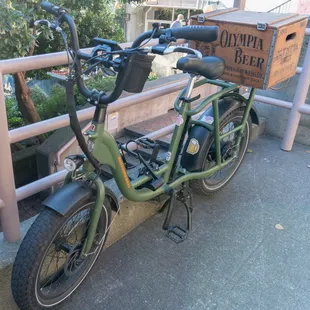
[[211, 67]]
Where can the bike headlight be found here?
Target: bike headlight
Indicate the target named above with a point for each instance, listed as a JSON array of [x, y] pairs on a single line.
[[69, 164], [73, 162]]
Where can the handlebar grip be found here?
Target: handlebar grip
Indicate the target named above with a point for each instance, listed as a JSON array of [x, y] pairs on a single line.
[[181, 49], [49, 7], [199, 33]]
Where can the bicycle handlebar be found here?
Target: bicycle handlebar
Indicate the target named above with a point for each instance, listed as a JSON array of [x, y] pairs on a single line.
[[99, 98], [199, 33], [50, 7]]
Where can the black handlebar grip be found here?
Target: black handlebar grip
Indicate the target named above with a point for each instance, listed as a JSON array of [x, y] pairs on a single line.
[[198, 33], [49, 7], [181, 49]]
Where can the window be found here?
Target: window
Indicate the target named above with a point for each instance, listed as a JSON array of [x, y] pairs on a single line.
[[163, 14], [184, 12]]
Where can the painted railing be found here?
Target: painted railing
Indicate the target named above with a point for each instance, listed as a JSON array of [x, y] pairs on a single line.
[[281, 8], [9, 195]]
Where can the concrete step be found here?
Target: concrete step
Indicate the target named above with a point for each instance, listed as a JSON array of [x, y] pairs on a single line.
[[258, 130], [143, 128]]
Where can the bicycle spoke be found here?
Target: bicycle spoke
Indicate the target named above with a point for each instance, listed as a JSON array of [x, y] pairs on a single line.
[[228, 145]]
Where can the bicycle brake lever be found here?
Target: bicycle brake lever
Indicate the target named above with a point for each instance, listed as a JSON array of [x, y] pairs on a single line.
[[52, 26], [103, 48]]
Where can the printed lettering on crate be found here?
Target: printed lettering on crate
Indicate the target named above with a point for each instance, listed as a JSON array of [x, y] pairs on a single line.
[[259, 49]]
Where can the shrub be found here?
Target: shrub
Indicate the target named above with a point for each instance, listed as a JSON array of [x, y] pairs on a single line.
[[98, 82], [38, 95], [54, 104], [14, 116]]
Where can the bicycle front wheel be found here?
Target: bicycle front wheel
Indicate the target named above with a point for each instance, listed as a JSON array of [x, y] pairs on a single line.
[[48, 267]]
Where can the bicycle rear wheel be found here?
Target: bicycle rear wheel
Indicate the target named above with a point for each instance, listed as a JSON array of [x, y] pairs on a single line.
[[219, 179]]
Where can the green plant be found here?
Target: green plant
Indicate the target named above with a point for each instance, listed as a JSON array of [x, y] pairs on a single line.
[[14, 116], [98, 82], [152, 76], [38, 95], [18, 39], [54, 104]]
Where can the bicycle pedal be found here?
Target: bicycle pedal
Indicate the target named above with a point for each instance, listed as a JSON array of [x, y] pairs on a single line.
[[177, 234]]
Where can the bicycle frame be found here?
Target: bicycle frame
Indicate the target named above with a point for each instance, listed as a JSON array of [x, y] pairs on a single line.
[[107, 151]]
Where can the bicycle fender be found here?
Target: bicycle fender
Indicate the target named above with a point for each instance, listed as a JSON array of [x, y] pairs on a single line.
[[66, 197], [198, 135], [226, 106]]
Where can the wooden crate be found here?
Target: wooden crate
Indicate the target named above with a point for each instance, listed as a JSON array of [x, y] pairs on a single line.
[[259, 49]]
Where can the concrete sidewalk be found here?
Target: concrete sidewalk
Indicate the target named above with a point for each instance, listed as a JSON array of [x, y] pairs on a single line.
[[235, 257]]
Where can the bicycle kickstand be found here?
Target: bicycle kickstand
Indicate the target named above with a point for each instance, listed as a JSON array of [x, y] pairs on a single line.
[[176, 233]]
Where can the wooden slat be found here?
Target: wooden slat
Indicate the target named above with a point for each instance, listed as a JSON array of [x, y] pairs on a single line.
[[284, 18]]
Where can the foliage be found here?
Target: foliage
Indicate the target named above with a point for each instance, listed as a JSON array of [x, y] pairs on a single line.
[[53, 105], [93, 19], [14, 116], [163, 14], [152, 76], [95, 82], [18, 39], [38, 95], [15, 38]]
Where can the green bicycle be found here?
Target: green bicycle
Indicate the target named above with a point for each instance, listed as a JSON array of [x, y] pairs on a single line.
[[67, 237]]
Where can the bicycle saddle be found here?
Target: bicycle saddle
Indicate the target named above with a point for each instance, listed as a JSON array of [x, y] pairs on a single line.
[[210, 67]]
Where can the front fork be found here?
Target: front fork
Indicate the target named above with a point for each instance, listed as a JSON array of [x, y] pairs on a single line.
[[96, 211], [95, 214]]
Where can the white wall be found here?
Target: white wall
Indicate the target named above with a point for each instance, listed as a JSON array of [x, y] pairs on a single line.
[[136, 24], [259, 5]]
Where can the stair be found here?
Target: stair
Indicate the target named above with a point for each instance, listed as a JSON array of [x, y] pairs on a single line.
[[145, 127]]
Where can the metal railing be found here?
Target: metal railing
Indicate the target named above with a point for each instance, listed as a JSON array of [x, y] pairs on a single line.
[[9, 195], [281, 8]]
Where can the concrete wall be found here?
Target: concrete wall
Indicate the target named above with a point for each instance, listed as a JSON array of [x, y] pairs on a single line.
[[277, 117], [135, 25], [165, 65]]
